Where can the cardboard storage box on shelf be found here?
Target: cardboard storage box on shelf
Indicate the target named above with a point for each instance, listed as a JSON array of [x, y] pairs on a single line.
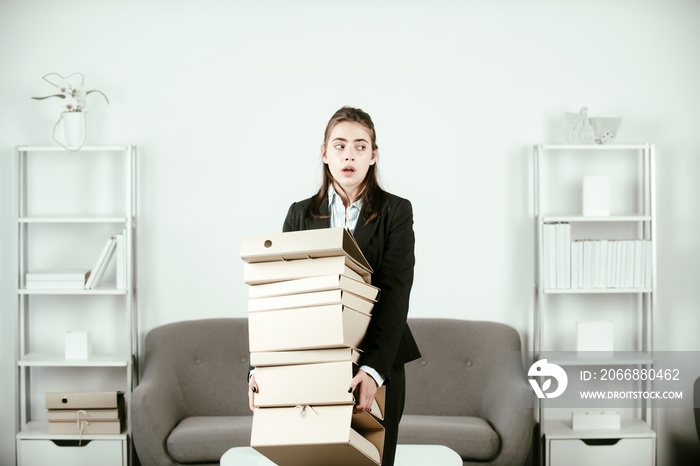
[[306, 328], [85, 412], [83, 400], [317, 436]]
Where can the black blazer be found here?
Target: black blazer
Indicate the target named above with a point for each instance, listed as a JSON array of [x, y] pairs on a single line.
[[387, 242]]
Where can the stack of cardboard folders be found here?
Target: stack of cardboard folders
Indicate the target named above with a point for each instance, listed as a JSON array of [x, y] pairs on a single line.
[[85, 413], [309, 308]]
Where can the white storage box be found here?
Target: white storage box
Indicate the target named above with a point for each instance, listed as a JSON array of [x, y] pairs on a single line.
[[78, 344], [587, 420], [596, 196]]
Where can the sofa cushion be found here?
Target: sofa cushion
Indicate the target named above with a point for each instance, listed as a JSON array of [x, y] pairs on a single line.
[[204, 439], [471, 437]]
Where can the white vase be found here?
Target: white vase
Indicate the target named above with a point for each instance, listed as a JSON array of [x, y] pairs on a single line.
[[71, 130]]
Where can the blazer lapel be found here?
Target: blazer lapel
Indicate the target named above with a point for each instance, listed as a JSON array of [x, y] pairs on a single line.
[[316, 223], [363, 233]]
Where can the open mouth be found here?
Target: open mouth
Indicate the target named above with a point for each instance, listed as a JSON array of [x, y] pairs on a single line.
[[348, 170]]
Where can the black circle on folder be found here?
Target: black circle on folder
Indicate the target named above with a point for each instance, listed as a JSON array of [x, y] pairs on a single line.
[[64, 400], [268, 243]]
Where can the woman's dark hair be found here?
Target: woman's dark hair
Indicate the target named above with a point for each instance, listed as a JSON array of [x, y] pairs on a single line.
[[371, 194]]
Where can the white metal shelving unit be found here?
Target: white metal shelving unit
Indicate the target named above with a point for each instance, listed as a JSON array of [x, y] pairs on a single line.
[[41, 361], [558, 441]]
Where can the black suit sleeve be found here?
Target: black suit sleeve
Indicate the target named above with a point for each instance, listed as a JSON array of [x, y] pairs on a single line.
[[394, 277]]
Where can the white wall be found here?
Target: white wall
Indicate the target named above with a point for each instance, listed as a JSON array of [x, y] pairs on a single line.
[[227, 102]]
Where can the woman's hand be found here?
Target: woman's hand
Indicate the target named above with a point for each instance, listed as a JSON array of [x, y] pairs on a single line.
[[368, 390], [252, 390]]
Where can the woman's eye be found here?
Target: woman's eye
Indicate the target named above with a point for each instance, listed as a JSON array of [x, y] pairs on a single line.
[[361, 147], [339, 146]]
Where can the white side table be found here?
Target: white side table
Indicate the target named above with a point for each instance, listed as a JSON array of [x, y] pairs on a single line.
[[406, 455]]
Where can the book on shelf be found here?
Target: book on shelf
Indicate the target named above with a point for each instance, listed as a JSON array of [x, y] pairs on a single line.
[[563, 255], [57, 279], [101, 265], [556, 249], [611, 264], [549, 258], [120, 253], [593, 263]]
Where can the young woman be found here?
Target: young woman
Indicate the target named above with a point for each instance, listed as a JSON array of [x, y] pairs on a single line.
[[382, 224]]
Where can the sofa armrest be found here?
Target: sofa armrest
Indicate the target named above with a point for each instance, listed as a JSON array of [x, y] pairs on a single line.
[[508, 405], [157, 406]]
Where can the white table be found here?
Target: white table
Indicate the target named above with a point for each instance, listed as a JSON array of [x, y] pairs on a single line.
[[406, 455]]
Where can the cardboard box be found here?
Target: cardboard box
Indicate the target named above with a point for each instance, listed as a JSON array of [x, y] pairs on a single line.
[[77, 344], [86, 428], [307, 244], [317, 436], [317, 384], [73, 415], [306, 328], [285, 358], [313, 284], [318, 298], [271, 272], [83, 400], [311, 384]]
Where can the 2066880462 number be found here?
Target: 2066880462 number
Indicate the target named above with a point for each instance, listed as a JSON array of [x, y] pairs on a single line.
[[639, 374]]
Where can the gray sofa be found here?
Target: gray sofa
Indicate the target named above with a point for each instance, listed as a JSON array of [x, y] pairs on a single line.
[[191, 405]]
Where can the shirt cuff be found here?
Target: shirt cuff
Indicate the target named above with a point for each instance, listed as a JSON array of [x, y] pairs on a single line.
[[375, 375]]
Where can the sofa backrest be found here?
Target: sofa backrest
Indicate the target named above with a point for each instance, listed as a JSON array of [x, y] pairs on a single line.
[[210, 358], [463, 361]]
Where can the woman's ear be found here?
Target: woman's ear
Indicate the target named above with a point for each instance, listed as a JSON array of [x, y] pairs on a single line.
[[323, 153], [375, 154]]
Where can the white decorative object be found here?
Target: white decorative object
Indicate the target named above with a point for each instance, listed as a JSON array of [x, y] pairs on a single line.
[[594, 336], [78, 344], [596, 196], [73, 133], [73, 130], [585, 420], [578, 129], [605, 129]]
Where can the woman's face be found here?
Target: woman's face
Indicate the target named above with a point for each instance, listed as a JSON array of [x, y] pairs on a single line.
[[348, 154]]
